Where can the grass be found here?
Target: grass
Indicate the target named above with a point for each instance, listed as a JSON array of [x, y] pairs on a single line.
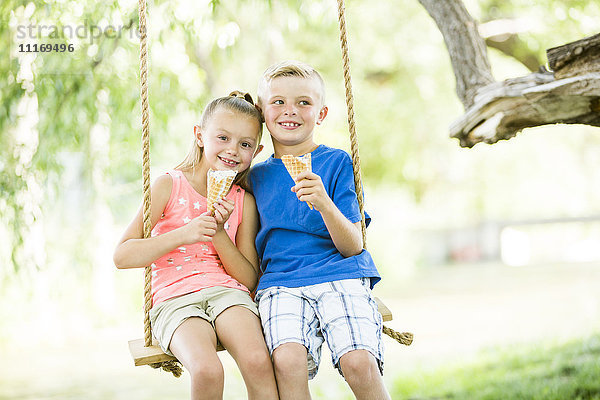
[[548, 372]]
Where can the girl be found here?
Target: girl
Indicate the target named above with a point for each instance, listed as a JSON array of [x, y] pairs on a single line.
[[203, 265]]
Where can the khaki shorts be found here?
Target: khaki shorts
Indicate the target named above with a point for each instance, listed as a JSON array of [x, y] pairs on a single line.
[[207, 304]]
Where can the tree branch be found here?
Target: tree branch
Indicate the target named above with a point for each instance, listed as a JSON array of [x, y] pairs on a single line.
[[503, 35], [503, 109], [575, 58], [512, 46], [494, 111]]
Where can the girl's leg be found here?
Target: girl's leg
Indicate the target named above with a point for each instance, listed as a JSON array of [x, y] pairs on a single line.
[[194, 344], [240, 333]]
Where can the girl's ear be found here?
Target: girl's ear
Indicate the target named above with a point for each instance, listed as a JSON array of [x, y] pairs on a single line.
[[198, 135], [322, 115]]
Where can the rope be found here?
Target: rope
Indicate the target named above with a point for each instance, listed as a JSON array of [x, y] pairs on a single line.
[[351, 124], [145, 166], [170, 366], [405, 337]]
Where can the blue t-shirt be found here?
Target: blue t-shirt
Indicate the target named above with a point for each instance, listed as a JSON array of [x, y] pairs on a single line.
[[293, 243]]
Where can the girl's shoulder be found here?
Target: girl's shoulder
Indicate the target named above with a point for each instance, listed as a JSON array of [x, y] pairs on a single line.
[[163, 183], [161, 191]]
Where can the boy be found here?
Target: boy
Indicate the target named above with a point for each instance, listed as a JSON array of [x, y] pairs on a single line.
[[316, 277]]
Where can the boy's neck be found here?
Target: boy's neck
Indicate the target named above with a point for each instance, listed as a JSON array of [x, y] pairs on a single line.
[[295, 150]]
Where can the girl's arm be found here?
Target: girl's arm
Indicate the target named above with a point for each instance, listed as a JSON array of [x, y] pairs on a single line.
[[346, 236], [240, 262], [133, 251]]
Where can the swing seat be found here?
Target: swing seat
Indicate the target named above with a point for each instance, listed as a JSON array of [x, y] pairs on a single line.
[[385, 312], [143, 355]]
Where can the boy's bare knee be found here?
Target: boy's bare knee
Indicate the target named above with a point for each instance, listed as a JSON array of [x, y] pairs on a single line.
[[290, 358], [359, 364]]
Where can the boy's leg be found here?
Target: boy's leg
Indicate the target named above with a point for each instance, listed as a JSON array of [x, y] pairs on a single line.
[[194, 344], [290, 327], [240, 333], [291, 371], [352, 327], [362, 374]]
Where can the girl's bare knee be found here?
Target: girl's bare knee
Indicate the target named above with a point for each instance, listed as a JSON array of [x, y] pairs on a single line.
[[257, 363], [205, 373]]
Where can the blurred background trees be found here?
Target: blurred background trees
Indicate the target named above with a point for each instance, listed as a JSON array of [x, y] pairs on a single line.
[[69, 122], [70, 171]]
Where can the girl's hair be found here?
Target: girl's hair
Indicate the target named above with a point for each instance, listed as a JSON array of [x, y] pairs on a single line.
[[237, 102]]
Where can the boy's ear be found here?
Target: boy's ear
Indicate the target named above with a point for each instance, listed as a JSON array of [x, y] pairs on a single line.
[[322, 115], [262, 114], [198, 135], [258, 150]]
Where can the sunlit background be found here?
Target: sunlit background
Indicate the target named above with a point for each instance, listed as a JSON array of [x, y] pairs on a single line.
[[489, 247]]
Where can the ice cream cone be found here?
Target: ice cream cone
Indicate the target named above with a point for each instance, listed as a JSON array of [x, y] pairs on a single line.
[[296, 165], [218, 185]]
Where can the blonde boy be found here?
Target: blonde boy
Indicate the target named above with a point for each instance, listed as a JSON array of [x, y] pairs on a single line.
[[317, 278]]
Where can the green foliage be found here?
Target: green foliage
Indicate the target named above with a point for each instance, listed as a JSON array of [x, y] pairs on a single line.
[[541, 25], [84, 105], [569, 371]]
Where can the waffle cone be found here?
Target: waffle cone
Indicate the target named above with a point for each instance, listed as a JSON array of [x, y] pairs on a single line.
[[218, 185], [296, 165]]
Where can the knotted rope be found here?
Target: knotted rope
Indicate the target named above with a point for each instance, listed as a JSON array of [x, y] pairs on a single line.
[[405, 337], [171, 366]]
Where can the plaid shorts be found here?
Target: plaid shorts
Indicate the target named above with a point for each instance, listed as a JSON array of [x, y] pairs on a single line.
[[342, 313]]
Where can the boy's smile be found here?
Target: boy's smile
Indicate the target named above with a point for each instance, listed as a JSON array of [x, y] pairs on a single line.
[[292, 108], [289, 124]]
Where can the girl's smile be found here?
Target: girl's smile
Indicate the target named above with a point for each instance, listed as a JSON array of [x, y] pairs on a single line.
[[228, 162], [229, 140]]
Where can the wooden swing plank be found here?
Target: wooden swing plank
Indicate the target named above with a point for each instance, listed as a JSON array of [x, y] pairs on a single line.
[[385, 312], [148, 355]]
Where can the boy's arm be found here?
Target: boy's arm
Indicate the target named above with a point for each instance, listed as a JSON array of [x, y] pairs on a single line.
[[346, 236], [133, 251], [240, 262]]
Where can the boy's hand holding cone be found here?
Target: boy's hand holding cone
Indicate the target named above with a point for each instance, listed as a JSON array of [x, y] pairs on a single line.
[[296, 165]]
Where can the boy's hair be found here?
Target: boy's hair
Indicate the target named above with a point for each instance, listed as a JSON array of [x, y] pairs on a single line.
[[289, 68], [238, 102]]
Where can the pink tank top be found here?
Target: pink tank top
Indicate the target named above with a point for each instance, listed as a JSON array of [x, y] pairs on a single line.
[[194, 267]]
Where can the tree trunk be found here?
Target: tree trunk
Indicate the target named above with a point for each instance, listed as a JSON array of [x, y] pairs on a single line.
[[468, 53]]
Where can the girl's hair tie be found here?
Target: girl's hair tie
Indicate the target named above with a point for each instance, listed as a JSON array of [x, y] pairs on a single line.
[[248, 98], [242, 95]]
